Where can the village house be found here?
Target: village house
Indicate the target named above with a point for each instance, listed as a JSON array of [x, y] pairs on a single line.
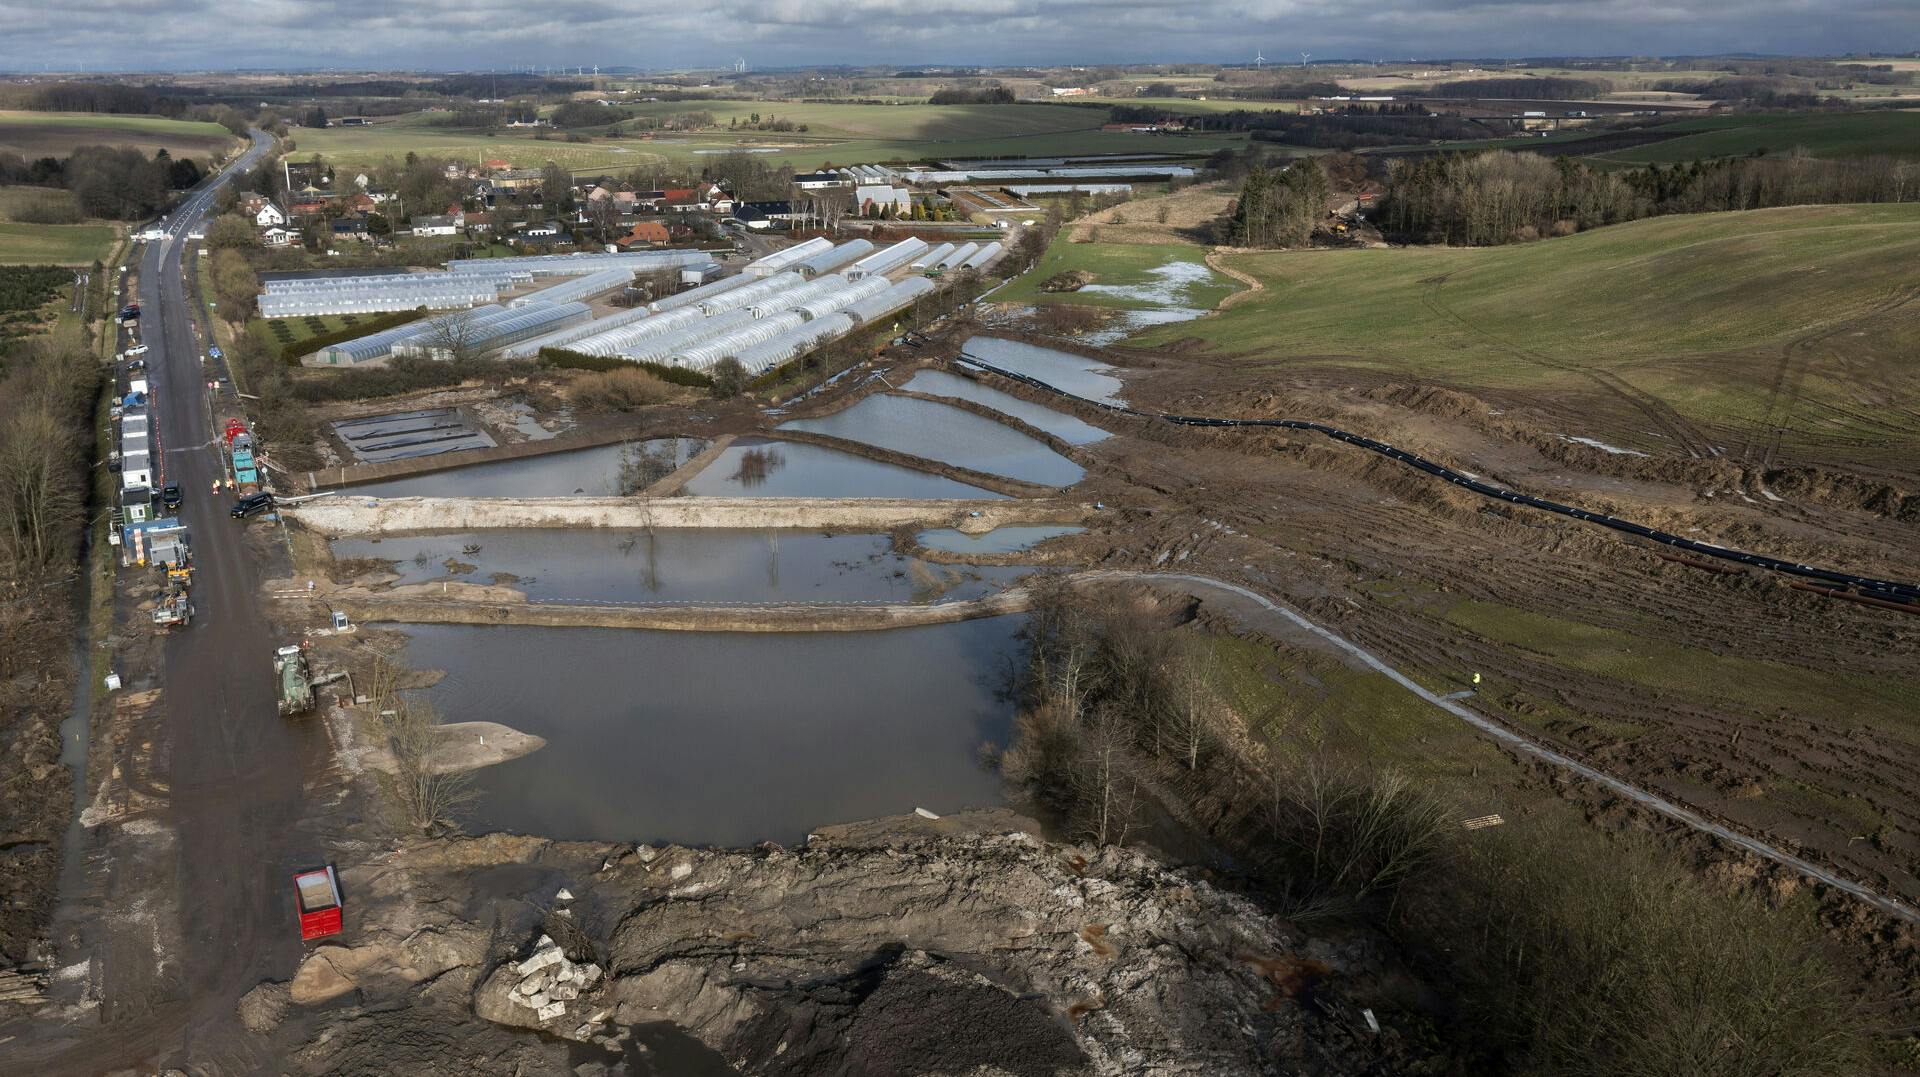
[[433, 226], [276, 237], [268, 215], [644, 234]]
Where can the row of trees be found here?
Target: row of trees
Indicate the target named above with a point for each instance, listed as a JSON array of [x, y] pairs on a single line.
[[1500, 197]]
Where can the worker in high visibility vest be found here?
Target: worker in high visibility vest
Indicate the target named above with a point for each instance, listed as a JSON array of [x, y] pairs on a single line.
[[1476, 680]]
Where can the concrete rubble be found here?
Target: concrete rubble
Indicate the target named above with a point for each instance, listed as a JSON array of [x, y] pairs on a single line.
[[541, 991]]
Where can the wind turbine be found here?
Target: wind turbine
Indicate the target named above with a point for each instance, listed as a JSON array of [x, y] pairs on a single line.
[[1303, 58], [1259, 57]]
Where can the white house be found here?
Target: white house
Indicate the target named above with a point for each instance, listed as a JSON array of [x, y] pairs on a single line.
[[269, 216], [276, 237], [434, 226]]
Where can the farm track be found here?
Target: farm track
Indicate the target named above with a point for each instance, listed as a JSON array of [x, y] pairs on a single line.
[[1682, 432]]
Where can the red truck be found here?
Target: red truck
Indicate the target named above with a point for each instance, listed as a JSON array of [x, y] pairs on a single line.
[[316, 896]]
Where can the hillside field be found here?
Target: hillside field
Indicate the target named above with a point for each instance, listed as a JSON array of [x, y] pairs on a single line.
[[55, 134], [54, 244], [1815, 134], [1803, 319], [836, 134]]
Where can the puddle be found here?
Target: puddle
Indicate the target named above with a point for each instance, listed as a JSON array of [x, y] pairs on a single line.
[[1126, 323], [594, 472], [678, 566], [1076, 374], [528, 426], [1171, 285], [725, 738], [759, 467], [1601, 445], [998, 540], [1061, 425], [946, 434]]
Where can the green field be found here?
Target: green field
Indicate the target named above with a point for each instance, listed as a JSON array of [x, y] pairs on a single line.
[[836, 134], [1128, 266], [55, 134], [54, 244], [1816, 134], [1695, 310], [1189, 106]]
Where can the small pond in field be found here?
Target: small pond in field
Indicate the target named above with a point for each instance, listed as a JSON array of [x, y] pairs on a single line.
[[947, 434]]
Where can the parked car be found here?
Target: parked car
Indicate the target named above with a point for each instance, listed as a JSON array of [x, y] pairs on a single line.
[[250, 504], [170, 497], [137, 349]]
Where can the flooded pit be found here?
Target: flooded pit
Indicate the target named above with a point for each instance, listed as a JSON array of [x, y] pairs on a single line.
[[761, 467], [595, 472], [1075, 374], [726, 738], [947, 434], [1061, 425], [680, 565], [998, 540]]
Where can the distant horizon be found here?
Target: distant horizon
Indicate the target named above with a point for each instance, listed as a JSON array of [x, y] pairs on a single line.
[[955, 68], [95, 38]]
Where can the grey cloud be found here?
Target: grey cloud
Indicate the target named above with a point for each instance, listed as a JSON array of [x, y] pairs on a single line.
[[479, 34]]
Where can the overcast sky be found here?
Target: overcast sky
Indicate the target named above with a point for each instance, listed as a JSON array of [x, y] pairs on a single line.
[[479, 34]]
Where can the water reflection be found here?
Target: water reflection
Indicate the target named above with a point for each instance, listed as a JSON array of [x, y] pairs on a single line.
[[679, 565], [947, 434], [815, 471], [726, 739]]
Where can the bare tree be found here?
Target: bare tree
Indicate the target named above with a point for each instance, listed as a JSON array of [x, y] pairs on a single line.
[[454, 337]]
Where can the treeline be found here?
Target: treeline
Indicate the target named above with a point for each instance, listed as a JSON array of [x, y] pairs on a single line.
[[1757, 90], [1543, 88], [1500, 197], [1283, 91], [109, 97], [1541, 949], [985, 95], [1361, 126], [1277, 208]]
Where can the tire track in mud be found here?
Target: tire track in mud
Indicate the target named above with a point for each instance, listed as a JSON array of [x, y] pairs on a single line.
[[1522, 744], [1783, 396], [1681, 431]]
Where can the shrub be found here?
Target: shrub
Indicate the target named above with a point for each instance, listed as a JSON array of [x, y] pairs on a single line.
[[674, 375], [620, 390]]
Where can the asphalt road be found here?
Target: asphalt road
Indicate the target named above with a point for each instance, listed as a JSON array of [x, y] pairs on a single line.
[[237, 772]]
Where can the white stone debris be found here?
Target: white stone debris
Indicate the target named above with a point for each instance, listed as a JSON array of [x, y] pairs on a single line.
[[563, 894], [924, 813], [551, 982]]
